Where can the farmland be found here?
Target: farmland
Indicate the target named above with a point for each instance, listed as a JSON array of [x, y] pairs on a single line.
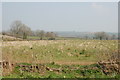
[[59, 40], [64, 54]]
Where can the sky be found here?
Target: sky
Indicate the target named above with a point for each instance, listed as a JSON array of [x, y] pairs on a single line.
[[62, 16]]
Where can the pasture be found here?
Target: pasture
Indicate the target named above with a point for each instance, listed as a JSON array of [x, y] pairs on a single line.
[[56, 53]]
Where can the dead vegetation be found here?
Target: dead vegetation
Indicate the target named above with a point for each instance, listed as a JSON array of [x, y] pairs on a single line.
[[39, 68], [111, 65], [32, 68], [7, 67]]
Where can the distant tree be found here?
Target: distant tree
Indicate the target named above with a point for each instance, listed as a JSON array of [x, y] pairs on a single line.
[[15, 28], [25, 31], [19, 29], [51, 35], [86, 37], [101, 35], [47, 34], [113, 37], [40, 33]]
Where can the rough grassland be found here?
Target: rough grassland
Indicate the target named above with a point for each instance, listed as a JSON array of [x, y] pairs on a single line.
[[60, 52]]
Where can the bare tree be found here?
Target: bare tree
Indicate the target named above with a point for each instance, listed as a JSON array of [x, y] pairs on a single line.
[[40, 33], [25, 31], [47, 34], [19, 29], [15, 28], [101, 35], [51, 35]]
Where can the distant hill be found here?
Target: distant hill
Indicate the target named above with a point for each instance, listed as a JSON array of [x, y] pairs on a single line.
[[78, 34]]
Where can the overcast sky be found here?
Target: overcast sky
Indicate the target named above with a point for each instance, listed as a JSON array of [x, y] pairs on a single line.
[[62, 16]]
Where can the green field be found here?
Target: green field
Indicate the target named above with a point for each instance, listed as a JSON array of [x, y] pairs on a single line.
[[65, 54]]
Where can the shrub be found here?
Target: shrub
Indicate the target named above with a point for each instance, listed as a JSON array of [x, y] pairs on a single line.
[[51, 39]]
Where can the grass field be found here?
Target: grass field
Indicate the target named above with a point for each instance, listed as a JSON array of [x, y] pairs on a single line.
[[63, 54], [67, 71]]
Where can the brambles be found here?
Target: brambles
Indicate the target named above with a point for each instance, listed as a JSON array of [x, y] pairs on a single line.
[[111, 65]]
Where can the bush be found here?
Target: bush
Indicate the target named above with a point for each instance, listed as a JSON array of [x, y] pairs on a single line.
[[51, 39]]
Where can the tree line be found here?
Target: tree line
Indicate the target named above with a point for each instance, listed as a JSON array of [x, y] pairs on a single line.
[[21, 30], [102, 36]]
